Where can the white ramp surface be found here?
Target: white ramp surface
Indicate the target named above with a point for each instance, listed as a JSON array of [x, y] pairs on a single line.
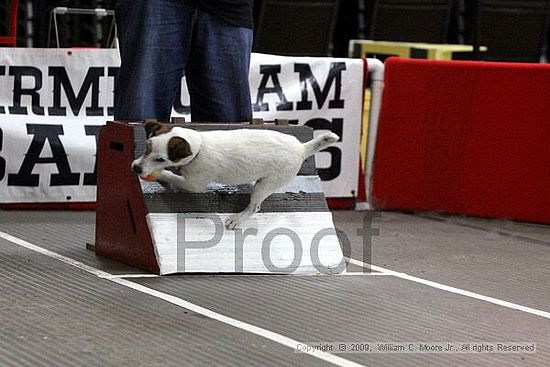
[[297, 243]]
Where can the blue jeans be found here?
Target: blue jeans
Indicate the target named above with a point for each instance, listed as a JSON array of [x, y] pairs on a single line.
[[162, 40]]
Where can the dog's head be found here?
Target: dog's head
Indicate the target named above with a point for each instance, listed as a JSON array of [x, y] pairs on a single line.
[[166, 147]]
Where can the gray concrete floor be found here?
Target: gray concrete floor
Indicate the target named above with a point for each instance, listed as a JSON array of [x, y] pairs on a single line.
[[444, 279]]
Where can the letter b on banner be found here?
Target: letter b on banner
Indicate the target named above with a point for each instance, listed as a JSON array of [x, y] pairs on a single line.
[[41, 133]]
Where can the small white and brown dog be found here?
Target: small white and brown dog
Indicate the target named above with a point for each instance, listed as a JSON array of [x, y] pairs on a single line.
[[234, 157]]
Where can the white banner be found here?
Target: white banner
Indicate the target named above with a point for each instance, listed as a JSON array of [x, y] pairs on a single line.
[[54, 101]]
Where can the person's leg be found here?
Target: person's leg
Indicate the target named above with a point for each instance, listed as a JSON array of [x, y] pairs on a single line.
[[217, 71], [155, 39]]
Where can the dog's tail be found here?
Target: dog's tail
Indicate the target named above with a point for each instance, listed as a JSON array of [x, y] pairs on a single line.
[[319, 143]]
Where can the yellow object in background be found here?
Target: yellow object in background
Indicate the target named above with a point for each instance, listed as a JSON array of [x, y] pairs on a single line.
[[384, 49], [365, 125]]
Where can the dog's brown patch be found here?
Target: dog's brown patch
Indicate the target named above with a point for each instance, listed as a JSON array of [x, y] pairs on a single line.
[[148, 148], [153, 128], [178, 148]]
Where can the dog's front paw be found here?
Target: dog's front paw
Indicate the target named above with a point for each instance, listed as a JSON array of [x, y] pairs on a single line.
[[232, 223]]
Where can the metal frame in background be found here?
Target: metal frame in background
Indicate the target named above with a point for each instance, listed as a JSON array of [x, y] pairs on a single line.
[[98, 12]]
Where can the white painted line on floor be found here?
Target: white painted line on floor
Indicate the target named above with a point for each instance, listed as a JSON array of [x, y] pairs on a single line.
[[360, 273], [43, 251], [275, 337], [278, 338], [128, 276], [447, 288], [226, 275]]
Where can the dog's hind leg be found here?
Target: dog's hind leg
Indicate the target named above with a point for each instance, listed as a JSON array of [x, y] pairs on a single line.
[[262, 189]]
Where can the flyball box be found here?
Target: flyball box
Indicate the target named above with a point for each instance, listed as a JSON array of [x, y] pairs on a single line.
[[164, 230]]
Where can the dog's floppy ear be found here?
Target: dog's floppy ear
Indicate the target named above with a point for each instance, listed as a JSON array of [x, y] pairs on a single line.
[[153, 128], [178, 148]]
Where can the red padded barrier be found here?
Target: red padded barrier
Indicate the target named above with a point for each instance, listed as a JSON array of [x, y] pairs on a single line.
[[465, 138]]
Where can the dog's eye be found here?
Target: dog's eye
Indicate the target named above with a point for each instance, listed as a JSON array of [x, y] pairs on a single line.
[[160, 160]]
